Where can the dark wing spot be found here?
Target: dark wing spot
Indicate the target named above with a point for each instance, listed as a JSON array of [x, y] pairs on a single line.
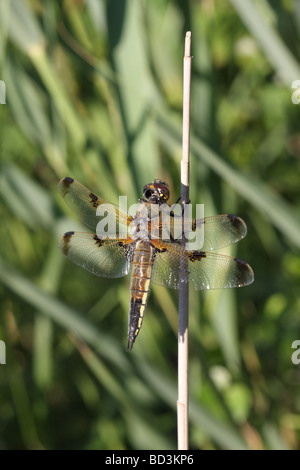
[[245, 273], [158, 250], [94, 199], [68, 234], [196, 255], [67, 238], [126, 246], [197, 222], [65, 184], [67, 181], [98, 240], [235, 221]]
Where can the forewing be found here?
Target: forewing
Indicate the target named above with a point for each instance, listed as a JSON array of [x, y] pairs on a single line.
[[84, 204], [206, 270], [219, 230], [102, 257]]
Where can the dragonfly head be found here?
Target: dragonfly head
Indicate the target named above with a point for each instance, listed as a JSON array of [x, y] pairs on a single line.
[[156, 192]]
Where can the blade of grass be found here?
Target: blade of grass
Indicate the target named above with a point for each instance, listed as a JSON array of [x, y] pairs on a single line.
[[26, 199], [24, 30], [276, 51], [136, 89], [49, 281], [141, 431], [63, 315], [223, 433]]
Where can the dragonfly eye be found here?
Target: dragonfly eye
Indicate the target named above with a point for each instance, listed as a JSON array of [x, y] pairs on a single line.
[[148, 193], [156, 192]]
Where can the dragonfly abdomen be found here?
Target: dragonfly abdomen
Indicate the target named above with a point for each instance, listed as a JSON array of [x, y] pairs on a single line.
[[142, 267]]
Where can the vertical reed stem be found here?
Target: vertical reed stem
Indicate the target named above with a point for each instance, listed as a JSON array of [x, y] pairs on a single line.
[[182, 402]]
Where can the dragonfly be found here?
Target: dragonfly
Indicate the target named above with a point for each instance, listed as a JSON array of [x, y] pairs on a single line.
[[139, 244]]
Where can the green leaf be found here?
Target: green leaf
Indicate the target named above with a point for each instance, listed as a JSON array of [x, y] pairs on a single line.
[[63, 315], [276, 51]]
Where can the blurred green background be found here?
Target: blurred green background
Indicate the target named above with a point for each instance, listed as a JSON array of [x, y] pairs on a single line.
[[94, 91]]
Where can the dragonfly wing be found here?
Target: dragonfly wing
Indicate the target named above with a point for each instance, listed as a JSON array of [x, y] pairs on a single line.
[[84, 203], [206, 270], [221, 230], [102, 257], [218, 231]]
